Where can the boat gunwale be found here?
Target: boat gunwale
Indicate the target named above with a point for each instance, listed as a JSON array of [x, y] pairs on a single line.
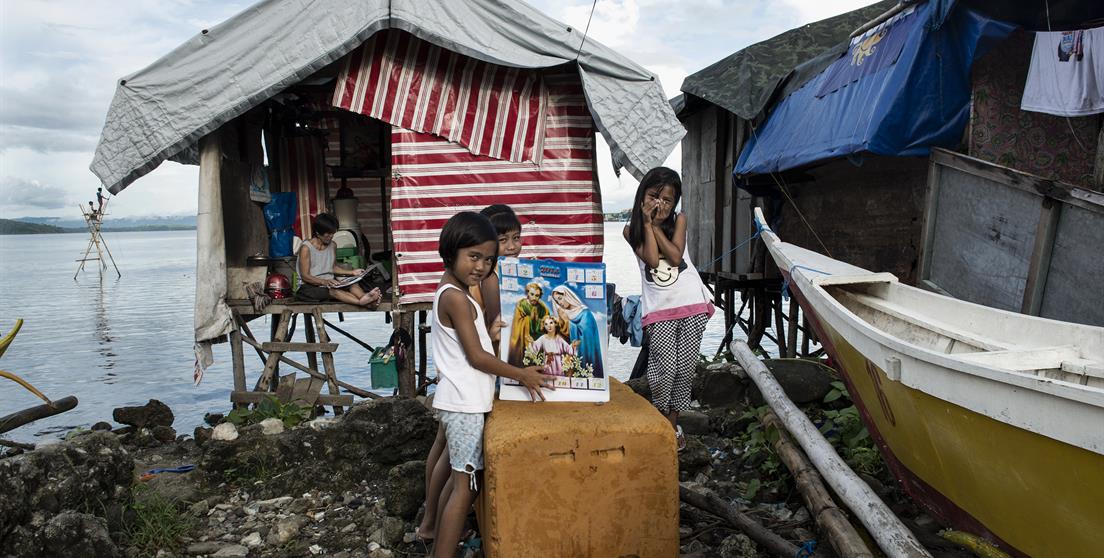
[[1041, 385]]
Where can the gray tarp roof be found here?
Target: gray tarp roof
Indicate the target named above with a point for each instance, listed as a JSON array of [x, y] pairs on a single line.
[[162, 111], [743, 82]]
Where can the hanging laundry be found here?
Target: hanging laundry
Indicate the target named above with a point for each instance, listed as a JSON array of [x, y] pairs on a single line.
[[630, 311], [1066, 77]]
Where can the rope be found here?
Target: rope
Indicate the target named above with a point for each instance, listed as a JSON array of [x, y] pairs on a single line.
[[587, 30], [786, 282], [806, 549], [758, 232]]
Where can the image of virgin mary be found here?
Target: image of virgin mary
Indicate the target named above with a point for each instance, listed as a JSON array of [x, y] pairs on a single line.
[[582, 326]]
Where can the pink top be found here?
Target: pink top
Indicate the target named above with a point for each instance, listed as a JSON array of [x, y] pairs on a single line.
[[554, 348], [669, 293]]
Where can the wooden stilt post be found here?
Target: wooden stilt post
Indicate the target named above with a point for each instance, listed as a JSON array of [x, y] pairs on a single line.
[[405, 320], [423, 351], [805, 335], [327, 358], [791, 334], [779, 327]]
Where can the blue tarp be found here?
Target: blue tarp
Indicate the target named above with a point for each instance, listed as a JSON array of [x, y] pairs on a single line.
[[900, 94]]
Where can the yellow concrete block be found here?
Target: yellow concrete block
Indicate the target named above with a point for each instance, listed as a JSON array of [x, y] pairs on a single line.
[[580, 479]]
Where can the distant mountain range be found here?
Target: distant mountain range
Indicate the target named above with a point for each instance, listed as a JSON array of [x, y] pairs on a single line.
[[46, 225]]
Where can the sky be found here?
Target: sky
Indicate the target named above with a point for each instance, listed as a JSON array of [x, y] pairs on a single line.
[[60, 60]]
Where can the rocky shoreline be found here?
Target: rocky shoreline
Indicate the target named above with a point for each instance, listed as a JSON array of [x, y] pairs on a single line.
[[352, 486]]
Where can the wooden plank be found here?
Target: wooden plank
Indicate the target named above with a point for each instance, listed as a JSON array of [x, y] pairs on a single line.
[[254, 397], [290, 347], [327, 358], [1012, 178], [308, 331], [1049, 214], [249, 340], [238, 358], [931, 204], [720, 189], [274, 357], [306, 390], [285, 387], [405, 321], [244, 307]]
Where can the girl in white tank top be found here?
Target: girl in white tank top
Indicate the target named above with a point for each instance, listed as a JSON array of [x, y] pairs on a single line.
[[466, 368], [674, 302]]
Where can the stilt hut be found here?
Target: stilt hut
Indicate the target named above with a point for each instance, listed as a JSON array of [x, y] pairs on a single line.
[[419, 108], [904, 149]]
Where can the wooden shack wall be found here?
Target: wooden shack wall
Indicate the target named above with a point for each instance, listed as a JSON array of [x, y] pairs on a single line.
[[719, 215], [868, 215], [243, 219]]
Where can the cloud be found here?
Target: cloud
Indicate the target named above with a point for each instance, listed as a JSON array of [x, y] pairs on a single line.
[[20, 192]]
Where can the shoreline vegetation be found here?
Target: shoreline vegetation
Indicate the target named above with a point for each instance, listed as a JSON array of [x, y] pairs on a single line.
[[12, 227]]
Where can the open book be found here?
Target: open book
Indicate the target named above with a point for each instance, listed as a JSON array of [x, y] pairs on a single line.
[[349, 280]]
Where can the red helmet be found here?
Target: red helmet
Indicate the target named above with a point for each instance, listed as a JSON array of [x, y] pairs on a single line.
[[277, 286]]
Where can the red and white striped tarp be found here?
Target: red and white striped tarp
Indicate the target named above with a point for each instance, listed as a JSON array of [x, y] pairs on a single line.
[[557, 201], [491, 110], [302, 170]]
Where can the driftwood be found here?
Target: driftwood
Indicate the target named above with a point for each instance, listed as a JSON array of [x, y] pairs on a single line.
[[31, 414], [766, 538], [843, 536], [19, 445], [891, 535]]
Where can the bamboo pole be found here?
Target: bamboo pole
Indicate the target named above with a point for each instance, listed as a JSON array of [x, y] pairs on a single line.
[[31, 414], [843, 536], [891, 535], [765, 537]]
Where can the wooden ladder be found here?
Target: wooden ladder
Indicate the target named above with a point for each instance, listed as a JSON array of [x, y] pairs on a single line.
[[305, 390]]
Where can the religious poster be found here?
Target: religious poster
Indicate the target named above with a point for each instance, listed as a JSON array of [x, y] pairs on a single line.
[[555, 316]]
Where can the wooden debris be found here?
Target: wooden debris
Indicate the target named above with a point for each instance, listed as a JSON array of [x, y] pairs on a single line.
[[31, 414], [891, 535], [774, 544], [844, 538]]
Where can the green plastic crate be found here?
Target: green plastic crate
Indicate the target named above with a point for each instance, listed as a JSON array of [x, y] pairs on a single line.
[[384, 374]]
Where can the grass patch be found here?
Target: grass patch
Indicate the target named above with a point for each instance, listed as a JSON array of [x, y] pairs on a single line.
[[156, 522]]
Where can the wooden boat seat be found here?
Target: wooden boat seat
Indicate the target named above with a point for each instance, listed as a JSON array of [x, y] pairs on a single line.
[[912, 317]]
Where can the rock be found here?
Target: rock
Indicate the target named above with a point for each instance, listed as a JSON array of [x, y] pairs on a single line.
[[409, 538], [392, 531], [90, 473], [274, 503], [174, 487], [804, 381], [201, 435], [373, 546], [272, 426], [153, 413], [164, 434], [225, 432], [286, 529], [315, 549], [68, 533], [694, 423], [694, 457], [200, 508], [202, 548], [405, 489], [232, 551], [361, 445], [381, 553], [252, 540], [641, 387], [737, 546], [106, 426], [212, 419], [717, 387]]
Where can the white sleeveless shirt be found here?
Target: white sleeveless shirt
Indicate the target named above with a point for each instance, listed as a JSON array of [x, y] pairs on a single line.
[[461, 387], [670, 293]]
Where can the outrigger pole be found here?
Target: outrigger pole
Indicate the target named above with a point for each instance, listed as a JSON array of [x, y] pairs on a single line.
[[94, 219]]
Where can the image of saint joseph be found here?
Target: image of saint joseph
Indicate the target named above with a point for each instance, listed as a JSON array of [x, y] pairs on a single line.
[[526, 326]]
